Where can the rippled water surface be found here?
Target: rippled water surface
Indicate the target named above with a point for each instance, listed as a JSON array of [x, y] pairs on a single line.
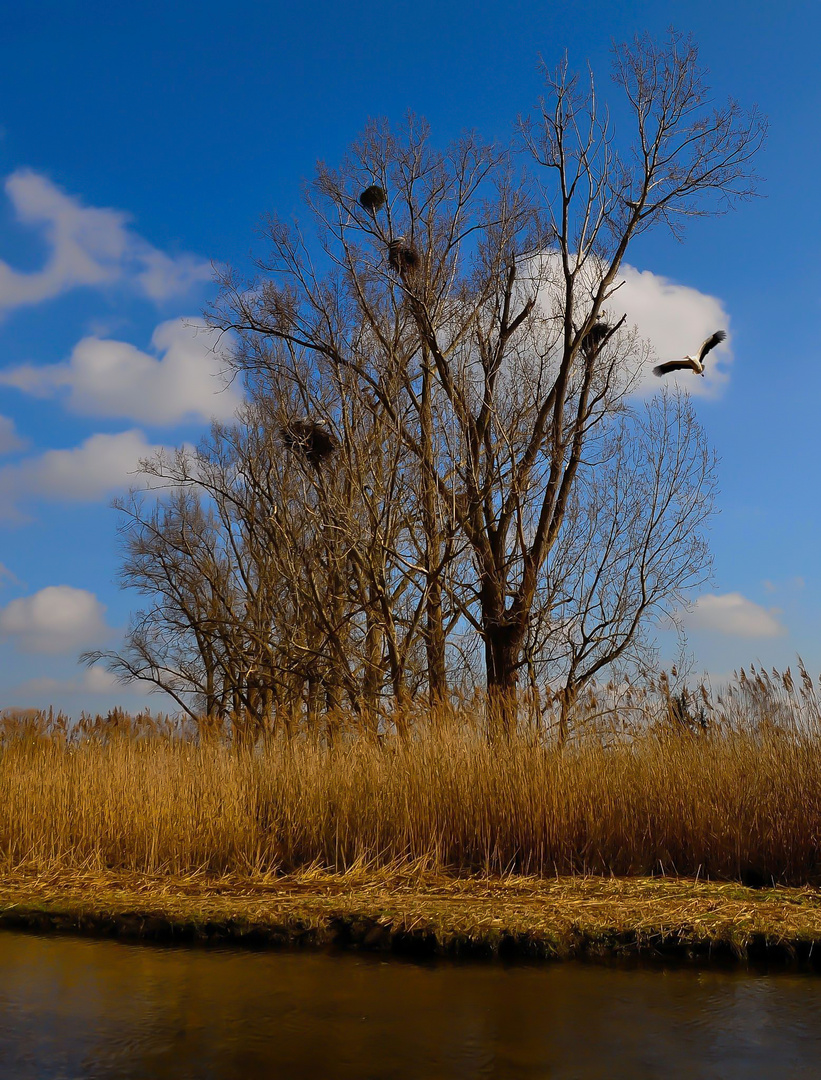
[[76, 1008]]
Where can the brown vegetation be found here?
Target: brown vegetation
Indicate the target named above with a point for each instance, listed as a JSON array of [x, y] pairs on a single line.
[[409, 912], [723, 786]]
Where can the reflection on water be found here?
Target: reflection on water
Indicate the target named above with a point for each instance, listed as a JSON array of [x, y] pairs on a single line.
[[81, 1009]]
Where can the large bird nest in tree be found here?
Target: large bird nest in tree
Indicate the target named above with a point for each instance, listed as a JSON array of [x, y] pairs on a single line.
[[373, 198], [311, 438], [593, 339], [403, 258]]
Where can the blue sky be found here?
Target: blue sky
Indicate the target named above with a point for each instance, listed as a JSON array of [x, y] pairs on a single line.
[[140, 143]]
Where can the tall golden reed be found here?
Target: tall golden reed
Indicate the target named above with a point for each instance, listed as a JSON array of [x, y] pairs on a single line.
[[732, 792]]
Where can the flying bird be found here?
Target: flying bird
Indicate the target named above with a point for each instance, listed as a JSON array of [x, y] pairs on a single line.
[[692, 363]]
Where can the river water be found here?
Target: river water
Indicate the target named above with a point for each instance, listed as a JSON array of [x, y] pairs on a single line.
[[74, 1008]]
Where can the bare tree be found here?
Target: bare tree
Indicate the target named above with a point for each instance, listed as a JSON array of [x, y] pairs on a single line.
[[477, 313], [444, 442], [282, 565], [630, 549]]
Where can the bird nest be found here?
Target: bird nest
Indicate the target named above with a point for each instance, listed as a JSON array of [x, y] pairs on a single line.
[[403, 258], [310, 438], [592, 340], [373, 198]]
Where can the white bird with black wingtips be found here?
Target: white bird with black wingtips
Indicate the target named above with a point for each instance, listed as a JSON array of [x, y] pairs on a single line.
[[692, 363]]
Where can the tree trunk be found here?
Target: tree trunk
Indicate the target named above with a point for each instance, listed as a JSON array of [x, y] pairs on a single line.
[[567, 699], [435, 645], [313, 703], [372, 676], [503, 642], [434, 624]]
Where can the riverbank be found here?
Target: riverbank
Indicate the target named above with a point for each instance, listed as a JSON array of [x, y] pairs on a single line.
[[429, 915]]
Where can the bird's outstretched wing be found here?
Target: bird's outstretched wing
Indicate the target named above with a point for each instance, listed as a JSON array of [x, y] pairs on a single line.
[[710, 343], [673, 365]]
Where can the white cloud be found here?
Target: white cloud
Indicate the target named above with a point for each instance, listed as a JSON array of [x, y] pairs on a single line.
[[163, 276], [9, 439], [789, 585], [113, 378], [89, 246], [735, 615], [95, 680], [676, 319], [57, 619], [98, 680], [100, 466]]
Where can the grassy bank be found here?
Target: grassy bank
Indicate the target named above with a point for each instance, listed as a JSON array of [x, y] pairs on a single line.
[[426, 914]]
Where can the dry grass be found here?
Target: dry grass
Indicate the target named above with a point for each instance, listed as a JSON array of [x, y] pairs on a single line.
[[422, 912], [637, 793]]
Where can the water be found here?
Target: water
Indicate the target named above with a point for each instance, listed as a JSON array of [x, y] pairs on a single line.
[[83, 1009]]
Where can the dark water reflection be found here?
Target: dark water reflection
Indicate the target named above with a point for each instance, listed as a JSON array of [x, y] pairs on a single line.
[[81, 1009]]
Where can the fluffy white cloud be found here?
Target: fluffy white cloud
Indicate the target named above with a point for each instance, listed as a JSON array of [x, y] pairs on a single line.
[[735, 615], [57, 619], [88, 246], [100, 466], [9, 439], [95, 680], [162, 275], [112, 378], [675, 319]]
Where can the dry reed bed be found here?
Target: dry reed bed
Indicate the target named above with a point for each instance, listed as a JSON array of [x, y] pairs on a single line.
[[739, 798]]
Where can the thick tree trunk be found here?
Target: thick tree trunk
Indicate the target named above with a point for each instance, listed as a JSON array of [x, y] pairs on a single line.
[[503, 633], [502, 651]]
